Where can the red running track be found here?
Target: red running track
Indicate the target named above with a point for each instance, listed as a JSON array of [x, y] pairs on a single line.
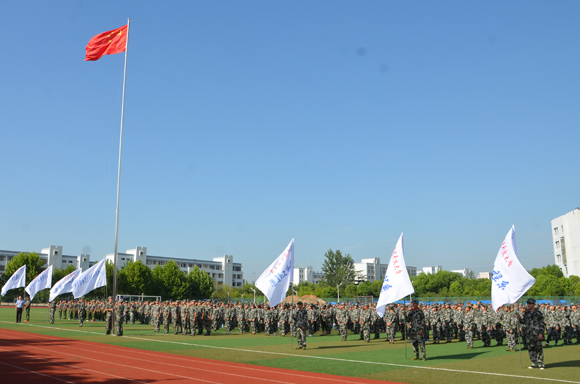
[[31, 358]]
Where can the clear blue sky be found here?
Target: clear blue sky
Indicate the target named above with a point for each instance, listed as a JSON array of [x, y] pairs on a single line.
[[339, 123]]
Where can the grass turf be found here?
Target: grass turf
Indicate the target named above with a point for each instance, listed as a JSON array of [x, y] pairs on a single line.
[[452, 362]]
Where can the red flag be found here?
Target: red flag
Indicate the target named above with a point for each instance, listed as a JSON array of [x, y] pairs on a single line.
[[107, 43]]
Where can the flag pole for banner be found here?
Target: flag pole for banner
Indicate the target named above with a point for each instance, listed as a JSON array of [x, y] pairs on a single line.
[[405, 323], [119, 172], [292, 317], [518, 336]]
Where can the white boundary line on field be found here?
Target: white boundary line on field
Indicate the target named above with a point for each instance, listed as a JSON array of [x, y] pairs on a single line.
[[313, 357]]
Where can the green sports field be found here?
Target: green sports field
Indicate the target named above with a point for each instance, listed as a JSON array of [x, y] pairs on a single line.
[[451, 363]]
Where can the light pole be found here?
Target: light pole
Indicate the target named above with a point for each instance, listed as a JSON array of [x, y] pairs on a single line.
[[254, 294], [338, 293]]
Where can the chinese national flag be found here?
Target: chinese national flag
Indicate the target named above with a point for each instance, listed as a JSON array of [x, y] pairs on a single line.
[[107, 43]]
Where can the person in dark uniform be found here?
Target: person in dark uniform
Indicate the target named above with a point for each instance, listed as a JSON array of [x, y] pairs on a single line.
[[416, 321], [301, 319], [533, 320]]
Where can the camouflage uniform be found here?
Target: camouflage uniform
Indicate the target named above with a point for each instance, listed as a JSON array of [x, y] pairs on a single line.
[[365, 323], [119, 310], [82, 312], [342, 321], [391, 321], [166, 317], [469, 324], [52, 306], [155, 312], [301, 318], [534, 323], [416, 320]]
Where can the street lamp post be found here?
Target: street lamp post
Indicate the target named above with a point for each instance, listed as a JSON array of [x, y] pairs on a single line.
[[338, 293], [254, 294]]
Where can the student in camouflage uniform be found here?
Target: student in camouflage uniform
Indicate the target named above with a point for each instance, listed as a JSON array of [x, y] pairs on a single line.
[[230, 317], [174, 309], [342, 321], [391, 321], [183, 315], [534, 322], [510, 324], [416, 321], [365, 323], [166, 316], [241, 317], [301, 318], [52, 306], [436, 324], [469, 325], [155, 312], [82, 311], [376, 322], [119, 311], [553, 321], [575, 321], [458, 321], [109, 315], [284, 319]]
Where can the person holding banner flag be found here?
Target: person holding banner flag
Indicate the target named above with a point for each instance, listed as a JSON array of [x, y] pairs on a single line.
[[275, 280], [510, 280], [397, 283], [17, 280]]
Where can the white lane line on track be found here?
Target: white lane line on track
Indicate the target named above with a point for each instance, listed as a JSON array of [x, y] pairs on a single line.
[[331, 378], [67, 365], [112, 363], [196, 369], [322, 357]]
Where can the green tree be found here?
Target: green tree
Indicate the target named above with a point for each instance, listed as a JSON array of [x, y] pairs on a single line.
[[338, 268], [456, 289], [136, 279], [364, 289], [200, 284], [350, 291], [174, 281]]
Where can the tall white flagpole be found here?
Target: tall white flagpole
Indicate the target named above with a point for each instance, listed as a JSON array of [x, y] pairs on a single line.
[[119, 173]]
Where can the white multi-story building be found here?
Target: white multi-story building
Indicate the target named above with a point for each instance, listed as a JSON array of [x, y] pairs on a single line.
[[566, 242], [306, 275], [431, 270], [222, 269], [51, 256], [372, 269], [484, 275], [462, 272]]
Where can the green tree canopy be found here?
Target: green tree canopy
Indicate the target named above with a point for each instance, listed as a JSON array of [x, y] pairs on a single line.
[[338, 268], [136, 279]]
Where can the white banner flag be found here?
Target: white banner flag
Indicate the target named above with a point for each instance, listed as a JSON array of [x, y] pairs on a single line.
[[64, 285], [92, 278], [40, 282], [509, 280], [275, 280], [397, 283], [17, 280]]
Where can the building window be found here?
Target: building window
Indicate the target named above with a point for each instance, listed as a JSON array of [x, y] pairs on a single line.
[[557, 245], [556, 231]]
